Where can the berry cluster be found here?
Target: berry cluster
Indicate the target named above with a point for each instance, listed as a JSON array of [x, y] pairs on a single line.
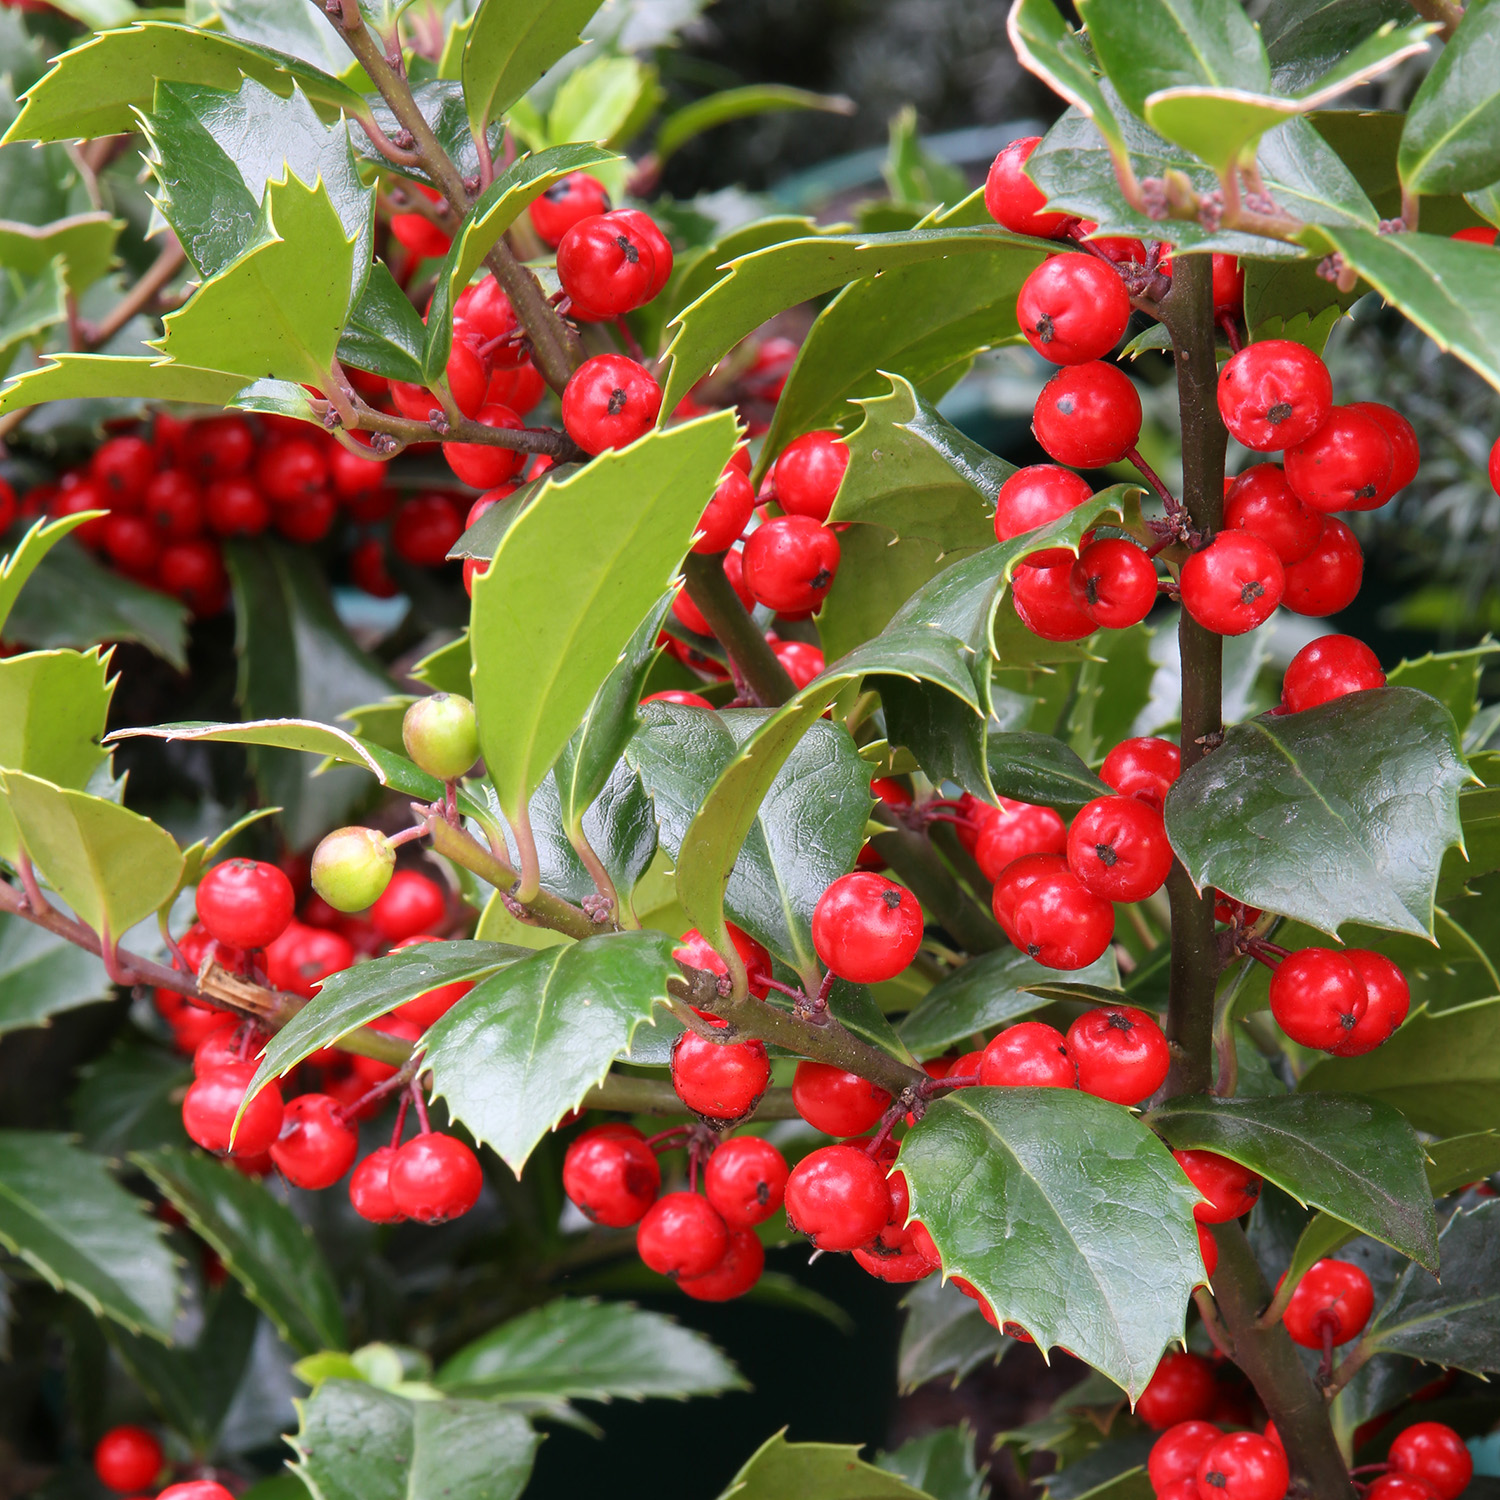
[[128, 1459]]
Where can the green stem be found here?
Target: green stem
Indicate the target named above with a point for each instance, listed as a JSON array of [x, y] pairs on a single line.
[[740, 636]]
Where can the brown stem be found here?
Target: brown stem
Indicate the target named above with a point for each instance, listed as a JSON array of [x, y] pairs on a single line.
[[556, 445], [393, 153], [1446, 13], [152, 281], [741, 637]]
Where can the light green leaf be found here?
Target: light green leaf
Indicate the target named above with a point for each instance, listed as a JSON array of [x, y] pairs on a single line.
[[1451, 142], [829, 1471], [16, 567], [603, 99], [42, 974], [290, 28], [509, 47], [70, 377], [738, 104], [29, 308]]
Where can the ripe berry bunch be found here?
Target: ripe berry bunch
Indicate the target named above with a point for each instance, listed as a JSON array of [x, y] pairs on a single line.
[[130, 1459]]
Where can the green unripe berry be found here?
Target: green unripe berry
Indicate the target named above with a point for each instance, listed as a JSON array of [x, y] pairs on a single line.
[[352, 867], [439, 733]]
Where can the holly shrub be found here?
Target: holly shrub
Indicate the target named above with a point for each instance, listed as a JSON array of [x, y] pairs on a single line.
[[810, 827]]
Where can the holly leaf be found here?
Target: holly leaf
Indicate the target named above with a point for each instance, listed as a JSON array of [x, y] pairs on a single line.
[[581, 1349], [524, 1047], [28, 308], [1451, 140], [511, 45], [385, 333], [17, 567], [42, 975], [83, 243], [1305, 38], [831, 1471], [720, 108], [1032, 767], [130, 1099], [1452, 677], [1338, 814], [74, 377], [944, 1334], [1050, 48], [1357, 1159], [939, 1463], [68, 1219], [261, 1242], [292, 29]]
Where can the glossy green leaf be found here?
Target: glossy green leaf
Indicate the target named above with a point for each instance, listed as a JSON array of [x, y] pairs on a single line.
[[285, 26], [1357, 1159], [1451, 142], [1441, 1070], [603, 99], [1038, 768], [940, 1464], [441, 103], [1454, 1321], [830, 1471], [944, 1334], [385, 333], [1338, 814], [84, 242], [985, 994], [68, 1219], [260, 1241], [1305, 38], [739, 104], [358, 1442], [558, 603], [1066, 1213], [130, 1099], [29, 308], [70, 377], [95, 89], [525, 1046], [578, 1348], [18, 566], [1115, 1470], [42, 974], [1452, 677], [511, 45], [942, 732]]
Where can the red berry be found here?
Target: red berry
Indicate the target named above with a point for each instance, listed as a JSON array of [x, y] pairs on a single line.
[[245, 903], [317, 1144], [304, 956], [368, 569], [1261, 502], [790, 563], [483, 315], [1053, 917], [737, 1270], [838, 1197], [576, 197], [1145, 767], [123, 466], [196, 1489], [1014, 200], [1345, 465], [236, 507], [1495, 466], [1208, 1248], [1088, 416], [1114, 583], [727, 514], [1015, 830], [1182, 1390], [809, 472], [1029, 1055], [132, 542], [1328, 578], [371, 1071], [1047, 604], [352, 475], [866, 928], [1228, 1189], [605, 267], [127, 1458], [173, 503], [1175, 1454], [1020, 876], [647, 233], [1400, 1486], [220, 1047], [194, 572], [1333, 666], [1233, 584], [836, 1102], [1116, 247], [309, 520], [802, 661], [894, 1254], [1121, 1053], [1117, 846], [1332, 1302], [613, 1177], [1274, 394], [1229, 285], [1317, 997], [1476, 234], [679, 696], [218, 447], [292, 470], [425, 528], [682, 1235], [1435, 1454], [609, 401], [1032, 497], [1073, 308], [425, 1008], [720, 1081], [480, 464], [696, 950], [419, 235], [1243, 1466], [1387, 1000], [434, 1178], [1406, 452], [211, 1103], [411, 904], [745, 1180], [370, 1188]]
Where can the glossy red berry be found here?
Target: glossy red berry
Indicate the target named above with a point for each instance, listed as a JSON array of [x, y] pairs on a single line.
[[1226, 1188], [132, 542], [425, 528], [1243, 1466], [727, 514], [605, 267], [1477, 234], [1333, 666], [1317, 997], [292, 470], [1028, 1055], [1117, 846], [1032, 497], [1088, 416], [236, 507], [837, 1196], [1047, 604], [1274, 394], [1182, 1389], [173, 503], [835, 1101], [1208, 1248], [302, 957], [196, 1489], [1144, 767], [688, 613], [1328, 578], [682, 1235], [1175, 1454], [1261, 502], [1331, 1305], [245, 903], [317, 1144], [576, 197], [1406, 452], [123, 466], [1387, 1000], [696, 950], [866, 928], [211, 1103], [435, 1178], [1121, 1053], [802, 661], [647, 234], [720, 1081], [1014, 200], [612, 1175], [425, 1008], [790, 563], [1233, 584], [370, 1188], [609, 402], [1345, 465], [1229, 285], [736, 1271], [1495, 466], [809, 472], [1048, 913], [481, 464], [1073, 308], [418, 235], [309, 520], [218, 447], [220, 1047], [745, 1180], [194, 572], [411, 904], [519, 388], [1015, 830], [1114, 583], [1399, 1487], [127, 1458], [1435, 1454], [895, 1254]]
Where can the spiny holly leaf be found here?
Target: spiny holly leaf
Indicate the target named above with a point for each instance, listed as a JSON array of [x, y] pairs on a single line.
[[520, 1051], [294, 30], [559, 603], [28, 308], [1451, 141], [385, 333], [260, 1241], [130, 1099], [42, 974], [944, 1334], [71, 377], [831, 1471], [1050, 48], [1452, 677], [358, 1442], [939, 1463], [578, 1348], [1355, 1158], [1305, 38], [510, 46], [17, 566], [1067, 1214], [68, 1219], [1038, 768], [1337, 814], [85, 243]]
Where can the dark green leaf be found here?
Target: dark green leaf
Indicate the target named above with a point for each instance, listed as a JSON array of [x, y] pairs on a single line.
[[944, 1334], [575, 1348], [1038, 768], [943, 732], [1452, 677], [1114, 687], [1305, 38], [66, 1217], [1338, 814], [829, 1471], [1451, 143], [1112, 1471], [124, 1100], [1358, 1159], [1067, 1214], [940, 1464], [42, 974], [441, 104], [511, 45], [260, 1241], [385, 333]]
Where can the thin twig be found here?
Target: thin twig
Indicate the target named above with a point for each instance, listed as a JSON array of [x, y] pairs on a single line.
[[152, 281]]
